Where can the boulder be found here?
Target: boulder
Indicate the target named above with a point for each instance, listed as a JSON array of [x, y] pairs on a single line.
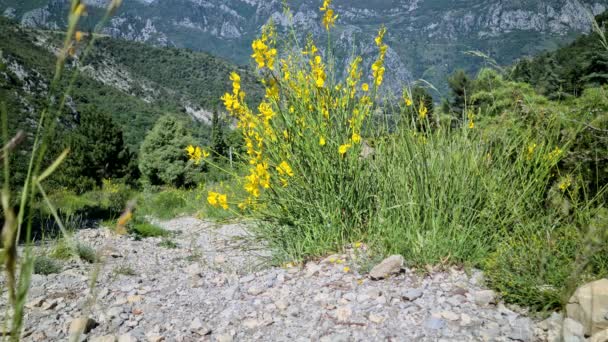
[[601, 336], [589, 306], [388, 266]]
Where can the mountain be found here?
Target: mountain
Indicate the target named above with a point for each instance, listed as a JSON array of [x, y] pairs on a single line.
[[428, 38], [133, 82]]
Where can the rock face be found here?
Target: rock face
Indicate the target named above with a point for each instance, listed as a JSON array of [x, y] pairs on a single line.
[[242, 298], [504, 28], [589, 306], [389, 266]]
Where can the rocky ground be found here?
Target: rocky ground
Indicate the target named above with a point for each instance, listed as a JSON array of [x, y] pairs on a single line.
[[216, 285]]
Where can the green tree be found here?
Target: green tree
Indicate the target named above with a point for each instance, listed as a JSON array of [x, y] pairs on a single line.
[[162, 157], [97, 152], [218, 140], [461, 88]]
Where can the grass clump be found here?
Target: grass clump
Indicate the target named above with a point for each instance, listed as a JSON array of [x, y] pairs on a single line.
[[142, 229], [44, 265], [65, 249], [124, 270], [168, 243]]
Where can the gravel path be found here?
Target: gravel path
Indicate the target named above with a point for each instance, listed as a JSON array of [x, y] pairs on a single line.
[[215, 286]]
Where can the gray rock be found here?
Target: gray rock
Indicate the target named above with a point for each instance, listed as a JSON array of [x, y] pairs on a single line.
[[522, 330], [484, 297], [412, 295], [106, 338], [434, 323], [389, 266], [81, 325], [573, 331]]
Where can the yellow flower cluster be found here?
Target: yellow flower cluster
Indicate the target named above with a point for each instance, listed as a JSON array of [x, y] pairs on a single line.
[[264, 52], [422, 110], [378, 66], [471, 117], [196, 154], [531, 149], [565, 183], [554, 155], [329, 18], [217, 200]]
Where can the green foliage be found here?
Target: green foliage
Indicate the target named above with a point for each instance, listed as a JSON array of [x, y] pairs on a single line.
[[569, 70], [218, 140], [460, 89], [45, 266], [97, 152], [162, 158], [124, 270], [63, 250], [142, 229], [168, 243], [86, 253]]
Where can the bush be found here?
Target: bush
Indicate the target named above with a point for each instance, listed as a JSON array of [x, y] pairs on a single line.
[[45, 266], [145, 230], [162, 160]]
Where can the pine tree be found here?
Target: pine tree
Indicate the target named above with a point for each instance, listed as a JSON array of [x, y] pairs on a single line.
[[461, 87], [218, 140], [97, 152], [162, 158]]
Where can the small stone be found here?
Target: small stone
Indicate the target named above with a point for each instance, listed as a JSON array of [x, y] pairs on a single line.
[[281, 304], [388, 266], [134, 299], [34, 303], [573, 331], [219, 259], [82, 325], [224, 338], [412, 295], [465, 320], [522, 330], [434, 323], [193, 270], [601, 336], [155, 338], [126, 338], [374, 318], [50, 305], [312, 270], [115, 311], [484, 297], [251, 323], [343, 313], [450, 316], [106, 338], [255, 290]]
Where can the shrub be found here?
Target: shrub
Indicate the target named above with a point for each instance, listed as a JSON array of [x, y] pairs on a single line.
[[162, 160], [145, 230], [45, 266], [86, 253]]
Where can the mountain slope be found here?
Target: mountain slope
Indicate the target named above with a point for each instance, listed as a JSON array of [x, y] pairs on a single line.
[[428, 38], [134, 82]]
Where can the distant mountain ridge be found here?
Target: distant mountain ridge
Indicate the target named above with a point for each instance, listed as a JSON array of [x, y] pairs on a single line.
[[428, 38]]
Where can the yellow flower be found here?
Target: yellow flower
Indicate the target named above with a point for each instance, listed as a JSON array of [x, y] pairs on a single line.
[[78, 35], [471, 124], [531, 149], [356, 138], [422, 111], [346, 269], [554, 155], [344, 148], [195, 154], [322, 141], [358, 244], [365, 87], [565, 183], [408, 101], [223, 201], [212, 198], [80, 9], [285, 169], [329, 19], [266, 111]]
